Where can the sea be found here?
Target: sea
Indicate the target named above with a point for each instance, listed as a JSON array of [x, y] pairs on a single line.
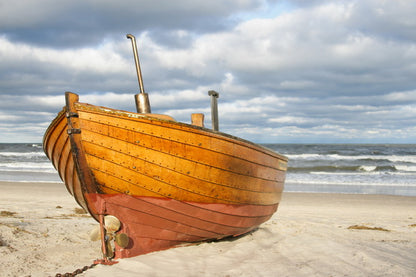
[[321, 168]]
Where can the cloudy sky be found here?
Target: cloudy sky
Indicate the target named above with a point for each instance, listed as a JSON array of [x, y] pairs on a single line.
[[300, 71]]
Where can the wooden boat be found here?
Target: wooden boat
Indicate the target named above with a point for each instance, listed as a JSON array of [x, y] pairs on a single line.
[[168, 183]]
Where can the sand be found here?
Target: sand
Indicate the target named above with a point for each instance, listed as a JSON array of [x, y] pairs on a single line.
[[43, 233]]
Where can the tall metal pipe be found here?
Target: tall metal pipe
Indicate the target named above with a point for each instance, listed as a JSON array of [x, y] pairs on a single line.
[[136, 60], [141, 99]]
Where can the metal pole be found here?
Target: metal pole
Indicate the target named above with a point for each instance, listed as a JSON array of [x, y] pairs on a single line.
[[142, 99], [214, 109], [136, 60]]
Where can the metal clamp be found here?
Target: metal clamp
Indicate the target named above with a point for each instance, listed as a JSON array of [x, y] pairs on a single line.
[[71, 114], [73, 131]]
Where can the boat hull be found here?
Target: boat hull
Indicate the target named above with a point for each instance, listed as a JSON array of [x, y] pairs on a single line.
[[169, 183], [162, 223]]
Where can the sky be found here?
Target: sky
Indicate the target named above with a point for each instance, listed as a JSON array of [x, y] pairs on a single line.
[[300, 71]]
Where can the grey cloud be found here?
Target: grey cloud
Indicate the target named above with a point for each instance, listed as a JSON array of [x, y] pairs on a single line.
[[87, 22], [392, 20], [343, 70]]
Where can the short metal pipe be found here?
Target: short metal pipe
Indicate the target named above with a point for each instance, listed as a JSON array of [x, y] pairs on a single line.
[[142, 103], [214, 109]]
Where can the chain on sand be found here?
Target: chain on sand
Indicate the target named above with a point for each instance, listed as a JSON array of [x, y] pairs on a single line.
[[76, 272]]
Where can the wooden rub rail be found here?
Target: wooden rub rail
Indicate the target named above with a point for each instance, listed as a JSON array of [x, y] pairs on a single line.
[[178, 132]]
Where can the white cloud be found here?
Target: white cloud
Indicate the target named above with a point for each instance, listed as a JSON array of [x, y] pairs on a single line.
[[401, 96], [100, 60], [293, 120], [343, 70]]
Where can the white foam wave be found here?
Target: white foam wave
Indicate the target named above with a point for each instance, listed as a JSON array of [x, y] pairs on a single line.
[[305, 156], [23, 154], [345, 183], [407, 159], [392, 158], [26, 165], [32, 181], [351, 173], [367, 168], [406, 168]]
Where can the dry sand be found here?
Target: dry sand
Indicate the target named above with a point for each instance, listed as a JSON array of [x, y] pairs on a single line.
[[42, 233]]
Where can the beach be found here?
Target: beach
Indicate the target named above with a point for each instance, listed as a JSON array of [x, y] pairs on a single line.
[[43, 232]]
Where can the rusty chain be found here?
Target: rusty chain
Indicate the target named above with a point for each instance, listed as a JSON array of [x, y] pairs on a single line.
[[76, 272]]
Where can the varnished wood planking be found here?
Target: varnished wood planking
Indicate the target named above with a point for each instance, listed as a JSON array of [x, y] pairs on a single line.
[[240, 168], [111, 182], [141, 158], [47, 143], [57, 148], [206, 174], [109, 157], [54, 133], [188, 134], [173, 160], [63, 162], [169, 184]]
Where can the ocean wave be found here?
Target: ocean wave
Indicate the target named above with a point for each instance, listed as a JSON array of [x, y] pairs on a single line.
[[22, 154], [27, 166], [345, 168], [405, 159], [379, 168], [18, 171], [345, 183], [323, 168], [32, 181], [370, 173], [367, 168], [333, 157], [406, 168]]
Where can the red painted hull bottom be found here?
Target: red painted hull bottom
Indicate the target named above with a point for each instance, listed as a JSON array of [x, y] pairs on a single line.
[[154, 224]]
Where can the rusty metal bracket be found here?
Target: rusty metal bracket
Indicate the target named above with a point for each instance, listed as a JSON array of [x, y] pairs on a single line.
[[73, 131], [71, 114]]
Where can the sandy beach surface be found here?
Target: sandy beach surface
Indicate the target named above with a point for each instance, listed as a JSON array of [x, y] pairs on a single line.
[[42, 232]]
